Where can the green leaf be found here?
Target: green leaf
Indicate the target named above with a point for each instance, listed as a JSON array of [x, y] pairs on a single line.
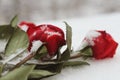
[[14, 21], [55, 67], [18, 42], [40, 74], [21, 73], [6, 31], [65, 56], [68, 35], [1, 68], [75, 63], [58, 55], [87, 51], [41, 52]]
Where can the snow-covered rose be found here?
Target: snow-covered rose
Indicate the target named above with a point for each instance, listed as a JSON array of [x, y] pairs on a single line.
[[102, 44], [51, 35]]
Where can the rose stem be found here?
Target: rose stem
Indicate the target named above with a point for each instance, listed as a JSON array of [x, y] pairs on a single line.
[[31, 55], [75, 56], [24, 60]]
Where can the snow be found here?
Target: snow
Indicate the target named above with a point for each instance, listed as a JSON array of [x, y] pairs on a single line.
[[7, 59], [52, 33], [2, 45], [17, 59], [24, 28], [35, 45], [90, 36], [83, 44], [106, 69]]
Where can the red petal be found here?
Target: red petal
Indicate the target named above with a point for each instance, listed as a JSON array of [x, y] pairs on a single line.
[[104, 46]]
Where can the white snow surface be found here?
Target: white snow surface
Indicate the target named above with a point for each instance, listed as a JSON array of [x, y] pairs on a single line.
[[106, 69]]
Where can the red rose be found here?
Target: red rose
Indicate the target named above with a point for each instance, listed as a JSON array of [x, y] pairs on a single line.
[[50, 34], [102, 44]]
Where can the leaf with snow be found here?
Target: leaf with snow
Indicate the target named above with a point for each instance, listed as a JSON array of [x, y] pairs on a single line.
[[18, 42], [21, 73], [35, 46]]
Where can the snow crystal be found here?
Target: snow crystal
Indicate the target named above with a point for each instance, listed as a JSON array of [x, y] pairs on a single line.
[[35, 45]]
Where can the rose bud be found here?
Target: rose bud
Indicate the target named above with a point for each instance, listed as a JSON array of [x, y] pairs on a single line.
[[101, 43], [52, 36]]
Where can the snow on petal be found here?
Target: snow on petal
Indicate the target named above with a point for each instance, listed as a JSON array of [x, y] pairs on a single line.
[[35, 45], [24, 28], [88, 40], [91, 35], [52, 33], [83, 45]]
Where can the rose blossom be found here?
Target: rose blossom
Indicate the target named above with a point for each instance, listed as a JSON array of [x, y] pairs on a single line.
[[51, 35], [102, 44]]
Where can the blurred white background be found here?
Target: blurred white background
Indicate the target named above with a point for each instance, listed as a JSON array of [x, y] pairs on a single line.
[[43, 10]]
